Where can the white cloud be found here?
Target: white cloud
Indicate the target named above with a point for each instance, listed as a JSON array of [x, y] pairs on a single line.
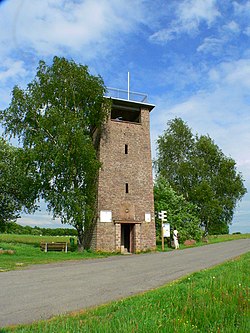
[[222, 109], [235, 74], [165, 35], [232, 27], [247, 31], [48, 27], [12, 72], [242, 8], [85, 30], [190, 14], [222, 43], [211, 45], [194, 11], [41, 220], [242, 15], [11, 69]]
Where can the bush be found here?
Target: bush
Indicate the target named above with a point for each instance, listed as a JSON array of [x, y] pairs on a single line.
[[14, 228], [180, 213]]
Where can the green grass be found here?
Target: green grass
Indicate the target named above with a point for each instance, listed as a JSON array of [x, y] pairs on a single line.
[[32, 239], [224, 238], [27, 251], [210, 240], [214, 300]]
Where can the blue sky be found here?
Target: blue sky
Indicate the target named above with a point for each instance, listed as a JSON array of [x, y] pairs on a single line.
[[192, 58]]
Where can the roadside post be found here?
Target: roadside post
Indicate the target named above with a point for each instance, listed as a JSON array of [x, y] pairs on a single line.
[[163, 217]]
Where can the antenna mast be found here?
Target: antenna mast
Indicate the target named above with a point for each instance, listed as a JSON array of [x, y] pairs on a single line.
[[128, 85]]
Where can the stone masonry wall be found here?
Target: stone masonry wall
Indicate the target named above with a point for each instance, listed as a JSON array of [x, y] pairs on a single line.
[[119, 169]]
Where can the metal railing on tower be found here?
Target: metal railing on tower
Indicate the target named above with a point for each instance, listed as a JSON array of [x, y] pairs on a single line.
[[126, 95]]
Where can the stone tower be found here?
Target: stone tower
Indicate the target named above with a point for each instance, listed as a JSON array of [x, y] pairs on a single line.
[[125, 190]]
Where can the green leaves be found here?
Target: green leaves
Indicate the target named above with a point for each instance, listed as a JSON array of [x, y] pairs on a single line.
[[17, 187], [55, 119], [196, 168], [180, 213]]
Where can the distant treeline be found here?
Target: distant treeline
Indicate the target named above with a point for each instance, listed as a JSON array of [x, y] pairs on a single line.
[[14, 228]]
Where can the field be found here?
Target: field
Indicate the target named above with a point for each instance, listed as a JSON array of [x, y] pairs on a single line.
[[210, 301], [27, 250]]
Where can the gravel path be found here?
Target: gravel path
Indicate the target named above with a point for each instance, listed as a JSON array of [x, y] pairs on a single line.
[[42, 291]]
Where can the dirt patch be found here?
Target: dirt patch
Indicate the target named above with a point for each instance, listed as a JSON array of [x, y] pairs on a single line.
[[189, 242], [6, 251]]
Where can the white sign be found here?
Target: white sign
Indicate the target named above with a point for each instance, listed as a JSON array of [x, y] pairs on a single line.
[[166, 229], [147, 217], [105, 216], [162, 215]]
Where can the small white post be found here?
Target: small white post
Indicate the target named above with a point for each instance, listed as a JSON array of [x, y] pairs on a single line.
[[163, 217], [128, 85]]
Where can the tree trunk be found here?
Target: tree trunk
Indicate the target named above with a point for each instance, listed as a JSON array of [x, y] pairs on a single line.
[[80, 240], [88, 233]]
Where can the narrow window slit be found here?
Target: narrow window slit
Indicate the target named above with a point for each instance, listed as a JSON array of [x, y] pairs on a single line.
[[126, 149], [126, 187]]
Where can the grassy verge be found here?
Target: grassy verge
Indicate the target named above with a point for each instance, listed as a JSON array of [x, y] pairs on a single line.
[[214, 300], [32, 239], [224, 238], [27, 251], [209, 240]]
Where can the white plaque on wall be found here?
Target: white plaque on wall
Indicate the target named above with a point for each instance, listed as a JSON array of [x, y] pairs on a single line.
[[147, 217], [105, 216]]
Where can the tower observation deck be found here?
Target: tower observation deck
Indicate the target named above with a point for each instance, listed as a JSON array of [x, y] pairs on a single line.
[[126, 95]]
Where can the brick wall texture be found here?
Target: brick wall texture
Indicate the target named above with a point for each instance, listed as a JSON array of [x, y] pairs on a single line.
[[125, 186]]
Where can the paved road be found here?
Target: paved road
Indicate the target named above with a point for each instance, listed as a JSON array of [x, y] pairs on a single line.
[[42, 291]]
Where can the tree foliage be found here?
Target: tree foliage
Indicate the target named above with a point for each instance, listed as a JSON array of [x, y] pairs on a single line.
[[17, 229], [180, 213], [195, 167], [17, 187], [55, 118]]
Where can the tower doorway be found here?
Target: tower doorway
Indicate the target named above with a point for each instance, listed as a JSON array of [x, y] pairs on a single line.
[[127, 237]]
